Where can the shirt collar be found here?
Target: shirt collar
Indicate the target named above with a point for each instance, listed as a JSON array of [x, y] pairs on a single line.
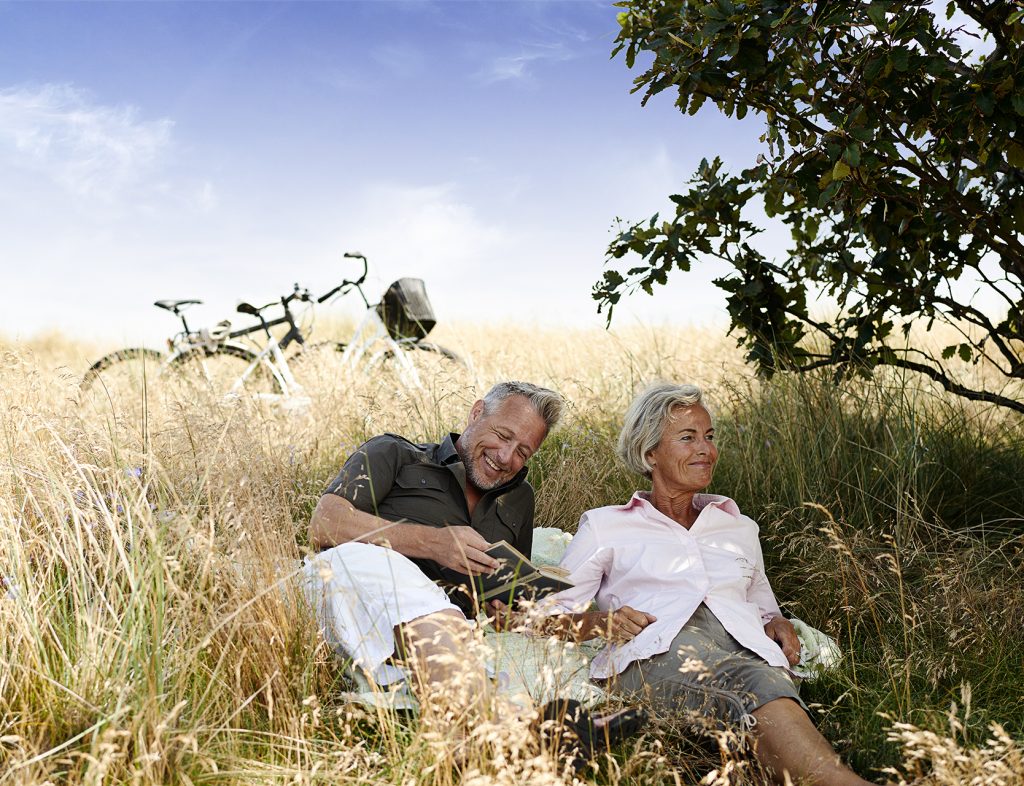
[[446, 452], [642, 499]]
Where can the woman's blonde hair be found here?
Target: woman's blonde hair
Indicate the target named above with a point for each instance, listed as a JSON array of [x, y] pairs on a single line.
[[645, 421]]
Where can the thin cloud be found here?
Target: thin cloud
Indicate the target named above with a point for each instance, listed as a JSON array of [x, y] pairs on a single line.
[[521, 66], [431, 223], [86, 148]]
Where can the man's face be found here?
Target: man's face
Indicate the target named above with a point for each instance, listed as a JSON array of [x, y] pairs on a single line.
[[495, 446]]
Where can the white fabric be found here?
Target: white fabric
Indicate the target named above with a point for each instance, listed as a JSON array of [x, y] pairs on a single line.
[[634, 555], [819, 652], [360, 593]]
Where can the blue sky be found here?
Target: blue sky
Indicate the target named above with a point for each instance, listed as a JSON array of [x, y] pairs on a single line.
[[225, 150]]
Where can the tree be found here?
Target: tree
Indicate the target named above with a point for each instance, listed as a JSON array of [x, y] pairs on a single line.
[[893, 154]]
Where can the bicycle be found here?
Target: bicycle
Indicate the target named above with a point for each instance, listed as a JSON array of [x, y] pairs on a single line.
[[213, 361]]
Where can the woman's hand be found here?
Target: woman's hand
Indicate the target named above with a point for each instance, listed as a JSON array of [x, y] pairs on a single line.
[[781, 631], [502, 617], [624, 624]]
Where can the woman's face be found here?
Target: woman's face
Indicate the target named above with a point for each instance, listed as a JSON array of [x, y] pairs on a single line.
[[684, 459]]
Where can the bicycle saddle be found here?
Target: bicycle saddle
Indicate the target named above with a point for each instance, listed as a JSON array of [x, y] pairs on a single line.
[[174, 305], [248, 308]]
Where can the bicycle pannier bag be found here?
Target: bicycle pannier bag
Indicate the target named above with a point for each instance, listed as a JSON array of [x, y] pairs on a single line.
[[405, 310]]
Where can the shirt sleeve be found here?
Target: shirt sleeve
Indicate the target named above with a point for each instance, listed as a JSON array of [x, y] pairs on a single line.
[[369, 474], [760, 591], [586, 562]]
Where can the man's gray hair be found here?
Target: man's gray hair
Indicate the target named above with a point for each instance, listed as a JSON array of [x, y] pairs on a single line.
[[547, 403], [645, 421]]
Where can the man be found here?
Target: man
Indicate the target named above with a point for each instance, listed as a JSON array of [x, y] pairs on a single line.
[[400, 517]]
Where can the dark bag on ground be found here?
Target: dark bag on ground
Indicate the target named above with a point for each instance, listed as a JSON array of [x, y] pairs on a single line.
[[405, 310]]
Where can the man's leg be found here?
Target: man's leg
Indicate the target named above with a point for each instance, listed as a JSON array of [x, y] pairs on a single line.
[[449, 673], [787, 741], [456, 695]]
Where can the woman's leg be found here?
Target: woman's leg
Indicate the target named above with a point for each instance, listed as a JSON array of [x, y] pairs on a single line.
[[787, 741]]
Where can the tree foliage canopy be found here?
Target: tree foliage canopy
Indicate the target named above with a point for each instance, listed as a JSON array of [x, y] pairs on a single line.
[[894, 155]]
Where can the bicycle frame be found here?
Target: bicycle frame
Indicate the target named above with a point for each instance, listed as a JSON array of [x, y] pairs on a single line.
[[370, 332]]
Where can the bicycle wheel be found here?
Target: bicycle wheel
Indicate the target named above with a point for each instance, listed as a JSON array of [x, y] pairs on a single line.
[[227, 370], [120, 384]]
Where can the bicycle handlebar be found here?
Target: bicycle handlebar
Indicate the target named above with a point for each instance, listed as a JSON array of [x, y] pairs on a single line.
[[303, 295], [346, 283]]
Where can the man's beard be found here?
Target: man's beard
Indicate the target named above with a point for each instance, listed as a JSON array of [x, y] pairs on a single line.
[[471, 472]]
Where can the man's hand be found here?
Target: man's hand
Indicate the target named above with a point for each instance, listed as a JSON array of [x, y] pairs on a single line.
[[461, 549], [781, 630], [624, 624]]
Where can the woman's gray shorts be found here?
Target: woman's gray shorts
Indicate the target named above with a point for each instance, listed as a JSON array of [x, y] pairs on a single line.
[[707, 671]]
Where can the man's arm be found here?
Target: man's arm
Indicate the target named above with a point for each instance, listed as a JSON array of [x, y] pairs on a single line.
[[336, 521]]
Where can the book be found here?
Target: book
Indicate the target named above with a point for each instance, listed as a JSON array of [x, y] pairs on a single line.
[[518, 578]]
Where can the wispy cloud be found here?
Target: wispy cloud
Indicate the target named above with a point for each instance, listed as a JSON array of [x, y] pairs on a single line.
[[86, 148], [521, 66], [431, 222]]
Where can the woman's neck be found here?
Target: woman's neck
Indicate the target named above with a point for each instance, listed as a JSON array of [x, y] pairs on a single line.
[[678, 506]]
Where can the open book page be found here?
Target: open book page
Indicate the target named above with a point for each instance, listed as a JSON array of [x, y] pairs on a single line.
[[518, 578]]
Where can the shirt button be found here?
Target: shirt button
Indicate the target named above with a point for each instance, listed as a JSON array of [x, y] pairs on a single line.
[[423, 481]]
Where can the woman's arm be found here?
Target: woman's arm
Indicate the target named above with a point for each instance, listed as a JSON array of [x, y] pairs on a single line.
[[618, 626], [588, 564], [776, 627]]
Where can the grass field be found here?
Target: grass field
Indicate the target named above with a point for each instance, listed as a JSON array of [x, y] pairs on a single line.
[[146, 637]]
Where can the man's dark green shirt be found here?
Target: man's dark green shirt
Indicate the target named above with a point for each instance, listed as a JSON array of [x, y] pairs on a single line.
[[397, 480]]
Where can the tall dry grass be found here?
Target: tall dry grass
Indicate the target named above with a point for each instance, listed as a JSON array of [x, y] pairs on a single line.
[[151, 633]]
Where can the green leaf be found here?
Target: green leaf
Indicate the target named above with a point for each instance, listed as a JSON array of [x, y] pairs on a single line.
[[900, 58], [948, 352], [840, 170], [965, 352], [852, 155], [876, 13], [873, 68], [1015, 155]]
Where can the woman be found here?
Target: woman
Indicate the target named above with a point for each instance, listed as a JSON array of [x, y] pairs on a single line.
[[683, 600]]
